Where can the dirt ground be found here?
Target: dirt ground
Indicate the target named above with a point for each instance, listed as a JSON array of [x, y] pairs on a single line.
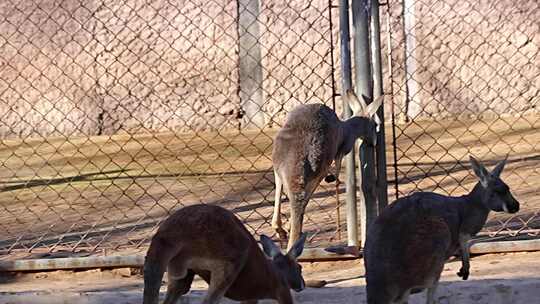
[[84, 195], [495, 279]]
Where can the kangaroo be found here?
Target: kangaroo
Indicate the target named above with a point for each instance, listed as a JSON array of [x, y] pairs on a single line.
[[304, 148], [408, 244], [211, 242]]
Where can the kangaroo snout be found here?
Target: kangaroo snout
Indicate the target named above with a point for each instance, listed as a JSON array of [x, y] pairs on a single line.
[[301, 287], [512, 207]]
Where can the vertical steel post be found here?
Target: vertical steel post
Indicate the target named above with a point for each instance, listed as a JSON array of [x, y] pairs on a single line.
[[380, 150], [350, 166], [364, 86]]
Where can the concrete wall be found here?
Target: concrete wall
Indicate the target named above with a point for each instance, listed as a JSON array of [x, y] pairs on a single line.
[[110, 67], [471, 57]]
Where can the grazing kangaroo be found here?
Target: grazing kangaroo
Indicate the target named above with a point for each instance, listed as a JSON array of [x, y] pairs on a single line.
[[304, 148], [408, 244], [211, 242]]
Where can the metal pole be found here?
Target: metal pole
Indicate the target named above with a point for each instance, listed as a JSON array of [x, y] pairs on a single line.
[[505, 246], [338, 202], [73, 263], [350, 176], [380, 150], [137, 261], [364, 86], [309, 254]]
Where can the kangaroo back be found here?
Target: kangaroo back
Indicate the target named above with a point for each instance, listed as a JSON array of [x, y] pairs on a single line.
[[406, 248], [307, 143]]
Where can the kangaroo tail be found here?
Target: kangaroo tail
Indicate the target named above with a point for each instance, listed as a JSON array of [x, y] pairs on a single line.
[[155, 263]]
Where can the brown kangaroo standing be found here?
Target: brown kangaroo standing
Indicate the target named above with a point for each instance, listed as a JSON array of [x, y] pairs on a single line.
[[304, 148], [211, 242]]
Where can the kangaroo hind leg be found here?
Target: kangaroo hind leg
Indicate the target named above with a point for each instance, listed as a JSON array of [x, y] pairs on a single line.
[[277, 223]]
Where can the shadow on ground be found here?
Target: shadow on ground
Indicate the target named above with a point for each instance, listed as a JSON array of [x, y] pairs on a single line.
[[518, 290]]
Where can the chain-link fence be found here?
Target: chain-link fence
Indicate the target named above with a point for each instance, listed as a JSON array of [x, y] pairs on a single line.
[[465, 79], [113, 114]]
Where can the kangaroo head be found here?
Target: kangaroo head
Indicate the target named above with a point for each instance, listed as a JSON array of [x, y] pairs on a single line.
[[364, 106], [286, 264], [496, 196], [365, 119]]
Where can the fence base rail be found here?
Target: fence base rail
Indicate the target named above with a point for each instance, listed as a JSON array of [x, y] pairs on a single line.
[[309, 255]]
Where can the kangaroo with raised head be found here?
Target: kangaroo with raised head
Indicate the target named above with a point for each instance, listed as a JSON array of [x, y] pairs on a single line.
[[304, 148], [408, 244], [211, 242]]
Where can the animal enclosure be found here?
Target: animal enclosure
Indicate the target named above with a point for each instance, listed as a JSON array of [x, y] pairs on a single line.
[[114, 114]]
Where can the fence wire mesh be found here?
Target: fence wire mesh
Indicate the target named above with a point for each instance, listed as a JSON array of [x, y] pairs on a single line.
[[465, 79], [114, 114]]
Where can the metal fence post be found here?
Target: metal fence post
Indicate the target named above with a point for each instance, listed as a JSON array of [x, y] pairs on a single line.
[[350, 164], [380, 150], [364, 86]]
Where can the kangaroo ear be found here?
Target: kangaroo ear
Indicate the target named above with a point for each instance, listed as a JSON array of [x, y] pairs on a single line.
[[372, 109], [374, 106], [298, 247], [357, 105], [480, 171], [269, 248], [499, 168]]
